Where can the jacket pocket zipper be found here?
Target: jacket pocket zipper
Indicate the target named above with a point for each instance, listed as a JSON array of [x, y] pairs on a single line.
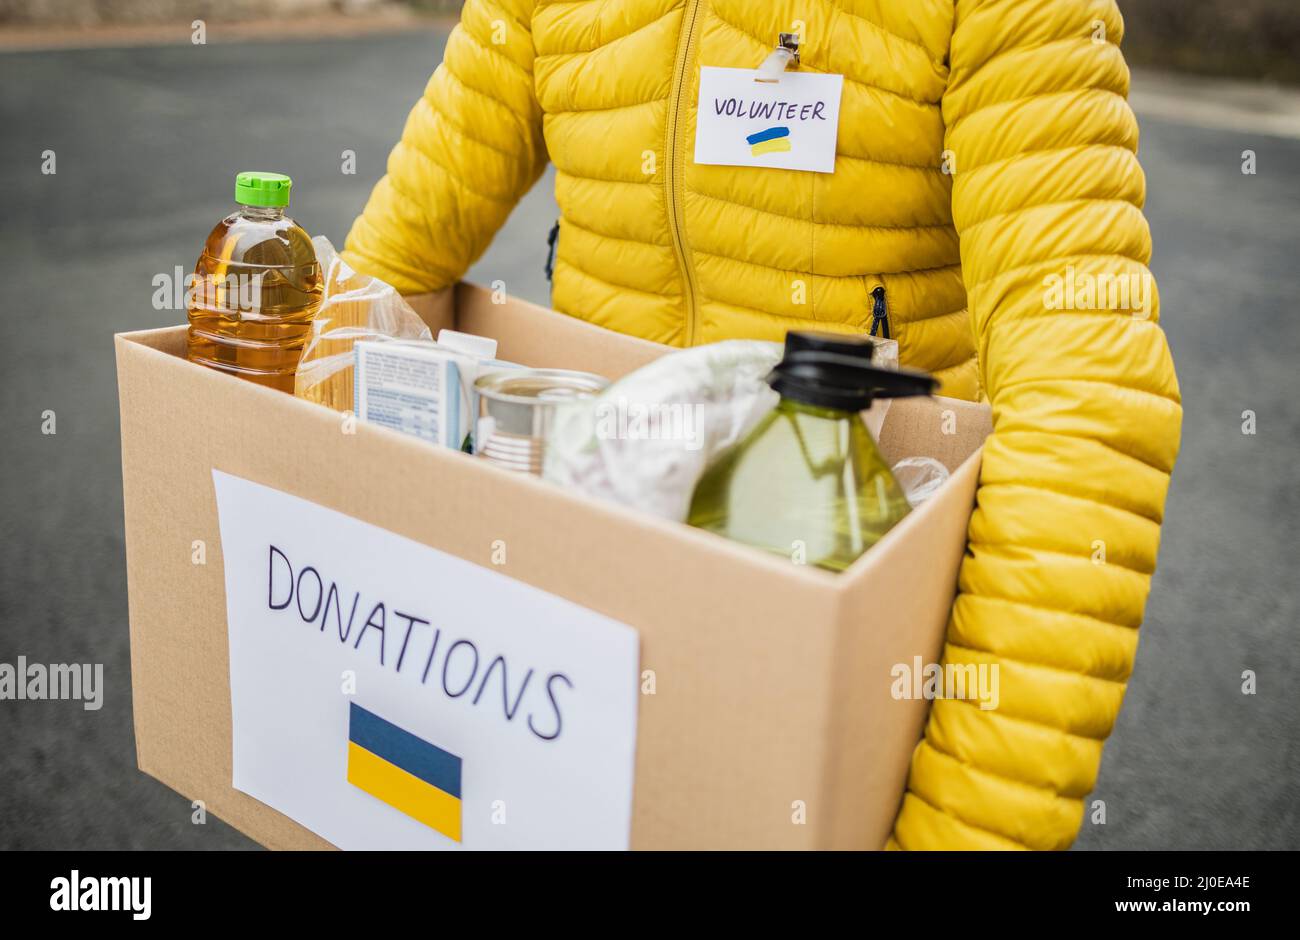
[[879, 313], [552, 246]]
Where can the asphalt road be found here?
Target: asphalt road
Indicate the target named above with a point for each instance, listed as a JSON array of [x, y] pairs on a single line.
[[146, 142]]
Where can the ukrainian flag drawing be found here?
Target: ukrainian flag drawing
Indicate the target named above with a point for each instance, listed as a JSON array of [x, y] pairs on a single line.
[[409, 774], [772, 140]]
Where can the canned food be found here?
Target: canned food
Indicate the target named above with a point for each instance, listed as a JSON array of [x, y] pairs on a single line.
[[517, 407]]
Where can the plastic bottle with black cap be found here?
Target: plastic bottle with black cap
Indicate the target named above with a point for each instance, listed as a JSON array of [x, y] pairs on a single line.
[[808, 482]]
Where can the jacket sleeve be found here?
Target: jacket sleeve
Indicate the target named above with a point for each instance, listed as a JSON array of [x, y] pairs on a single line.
[[471, 148], [1047, 198]]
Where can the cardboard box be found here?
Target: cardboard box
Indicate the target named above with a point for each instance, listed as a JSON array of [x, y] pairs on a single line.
[[772, 679]]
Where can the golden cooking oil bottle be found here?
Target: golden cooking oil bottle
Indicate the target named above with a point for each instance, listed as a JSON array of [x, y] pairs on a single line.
[[256, 287], [809, 479]]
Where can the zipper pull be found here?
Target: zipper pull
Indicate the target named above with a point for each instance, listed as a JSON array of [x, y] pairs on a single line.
[[551, 239], [879, 314]]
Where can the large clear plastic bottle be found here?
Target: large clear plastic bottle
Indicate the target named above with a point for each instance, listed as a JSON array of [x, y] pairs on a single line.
[[257, 287], [808, 481]]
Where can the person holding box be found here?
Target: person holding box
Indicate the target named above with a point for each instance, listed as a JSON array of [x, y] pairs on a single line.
[[958, 175]]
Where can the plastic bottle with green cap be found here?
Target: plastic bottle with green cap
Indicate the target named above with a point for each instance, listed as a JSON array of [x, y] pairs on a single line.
[[808, 482], [256, 288]]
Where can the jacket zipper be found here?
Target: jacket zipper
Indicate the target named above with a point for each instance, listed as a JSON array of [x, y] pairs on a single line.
[[676, 162], [879, 313]]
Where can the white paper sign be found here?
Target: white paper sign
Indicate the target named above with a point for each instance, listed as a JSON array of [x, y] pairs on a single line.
[[389, 695], [791, 124]]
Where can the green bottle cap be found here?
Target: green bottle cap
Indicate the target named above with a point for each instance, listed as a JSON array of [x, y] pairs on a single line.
[[262, 189]]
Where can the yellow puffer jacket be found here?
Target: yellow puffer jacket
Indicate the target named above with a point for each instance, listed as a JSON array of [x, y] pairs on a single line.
[[986, 177]]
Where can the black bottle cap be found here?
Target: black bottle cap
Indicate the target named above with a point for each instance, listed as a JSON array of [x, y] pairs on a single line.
[[844, 344], [834, 371]]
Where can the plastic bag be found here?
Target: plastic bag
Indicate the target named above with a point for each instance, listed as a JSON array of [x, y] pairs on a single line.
[[645, 441], [354, 307], [920, 478]]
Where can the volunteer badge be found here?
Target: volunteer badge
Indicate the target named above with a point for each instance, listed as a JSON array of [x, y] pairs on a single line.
[[742, 119], [409, 774]]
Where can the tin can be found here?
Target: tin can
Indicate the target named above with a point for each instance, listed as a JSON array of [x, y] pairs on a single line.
[[517, 407]]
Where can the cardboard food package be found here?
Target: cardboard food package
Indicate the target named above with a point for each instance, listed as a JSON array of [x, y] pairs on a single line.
[[768, 713]]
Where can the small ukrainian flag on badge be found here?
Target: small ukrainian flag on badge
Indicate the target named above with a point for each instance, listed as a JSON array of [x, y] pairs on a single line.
[[408, 773], [772, 140]]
